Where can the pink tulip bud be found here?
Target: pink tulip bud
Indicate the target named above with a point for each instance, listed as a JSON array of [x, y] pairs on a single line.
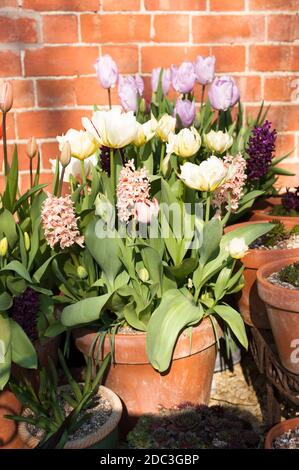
[[6, 96], [146, 210], [31, 147], [65, 155], [107, 71]]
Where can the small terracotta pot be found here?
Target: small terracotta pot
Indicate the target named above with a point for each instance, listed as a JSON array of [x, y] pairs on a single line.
[[280, 429], [283, 312], [9, 405], [142, 388], [262, 214], [251, 307]]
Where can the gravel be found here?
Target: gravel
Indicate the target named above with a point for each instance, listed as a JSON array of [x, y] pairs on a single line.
[[274, 279], [288, 244], [287, 440]]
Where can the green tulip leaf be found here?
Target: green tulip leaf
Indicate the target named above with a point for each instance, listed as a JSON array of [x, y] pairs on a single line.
[[85, 311], [234, 321], [22, 350]]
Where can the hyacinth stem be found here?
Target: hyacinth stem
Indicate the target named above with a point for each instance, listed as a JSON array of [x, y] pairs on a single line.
[[162, 156], [84, 180], [4, 139], [208, 207], [109, 98], [112, 170], [202, 95]]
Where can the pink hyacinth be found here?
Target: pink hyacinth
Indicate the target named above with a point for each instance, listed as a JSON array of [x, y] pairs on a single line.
[[233, 185], [60, 222], [133, 187]]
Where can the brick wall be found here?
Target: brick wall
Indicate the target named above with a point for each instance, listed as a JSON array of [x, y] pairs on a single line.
[[48, 47]]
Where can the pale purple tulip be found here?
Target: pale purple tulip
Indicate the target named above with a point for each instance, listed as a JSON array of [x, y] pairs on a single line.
[[183, 77], [107, 71], [186, 111], [128, 90], [205, 69], [166, 79], [223, 93]]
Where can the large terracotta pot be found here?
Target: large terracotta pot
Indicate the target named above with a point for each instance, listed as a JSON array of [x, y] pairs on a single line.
[[261, 214], [283, 312], [9, 405], [251, 307], [143, 389], [280, 429]]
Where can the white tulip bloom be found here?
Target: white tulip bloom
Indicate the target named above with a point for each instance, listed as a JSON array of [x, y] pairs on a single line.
[[218, 142], [82, 144], [237, 248], [112, 128], [146, 132], [204, 177], [74, 168], [166, 126], [184, 144]]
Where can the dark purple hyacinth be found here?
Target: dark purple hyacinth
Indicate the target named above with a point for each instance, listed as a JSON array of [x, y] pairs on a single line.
[[290, 200], [105, 159], [260, 150], [24, 311]]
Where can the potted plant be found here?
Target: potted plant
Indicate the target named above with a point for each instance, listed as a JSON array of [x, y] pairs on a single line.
[[73, 416], [280, 242], [285, 209], [278, 287], [283, 435]]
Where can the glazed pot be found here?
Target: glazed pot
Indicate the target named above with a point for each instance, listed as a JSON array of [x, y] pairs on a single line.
[[143, 389], [251, 307], [280, 429], [9, 405], [105, 437], [283, 312], [261, 214]]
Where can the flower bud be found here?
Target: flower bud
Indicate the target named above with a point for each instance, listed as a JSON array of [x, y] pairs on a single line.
[[166, 126], [143, 275], [3, 247], [6, 96], [27, 241], [31, 148], [82, 273], [65, 155], [142, 106], [237, 248]]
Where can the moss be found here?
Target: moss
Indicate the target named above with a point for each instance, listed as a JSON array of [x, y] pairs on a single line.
[[290, 274], [276, 235], [283, 212], [295, 230]]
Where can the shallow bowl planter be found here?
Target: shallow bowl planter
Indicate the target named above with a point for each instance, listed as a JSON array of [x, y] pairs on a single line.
[[106, 437], [143, 389], [262, 214], [280, 429], [9, 405], [283, 312]]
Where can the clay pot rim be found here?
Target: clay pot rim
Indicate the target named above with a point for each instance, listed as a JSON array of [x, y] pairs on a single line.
[[279, 429], [89, 440]]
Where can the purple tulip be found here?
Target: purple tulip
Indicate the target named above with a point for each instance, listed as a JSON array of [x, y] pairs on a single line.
[[166, 79], [186, 111], [128, 90], [183, 77], [223, 93], [204, 69], [107, 71]]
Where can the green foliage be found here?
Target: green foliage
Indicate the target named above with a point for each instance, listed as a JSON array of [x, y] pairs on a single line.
[[277, 234], [290, 274], [295, 230]]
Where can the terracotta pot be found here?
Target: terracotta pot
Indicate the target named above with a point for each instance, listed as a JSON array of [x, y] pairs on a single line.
[[9, 405], [251, 307], [262, 213], [283, 312], [280, 429], [105, 437], [143, 389]]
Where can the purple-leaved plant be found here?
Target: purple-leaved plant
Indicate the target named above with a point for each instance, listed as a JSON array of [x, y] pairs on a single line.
[[290, 200]]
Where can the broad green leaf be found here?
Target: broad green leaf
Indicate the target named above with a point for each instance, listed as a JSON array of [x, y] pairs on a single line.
[[132, 318], [19, 269], [8, 227], [5, 367], [249, 233], [221, 282], [42, 269], [23, 351], [5, 303], [5, 333], [85, 311], [234, 321], [27, 195], [11, 189], [184, 269], [212, 233]]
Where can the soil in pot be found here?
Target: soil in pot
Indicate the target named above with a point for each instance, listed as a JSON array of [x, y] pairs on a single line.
[[141, 388], [9, 438], [261, 252], [282, 303], [275, 208], [284, 435]]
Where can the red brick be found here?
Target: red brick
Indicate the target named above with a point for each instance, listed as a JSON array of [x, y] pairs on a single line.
[[10, 64], [229, 58], [267, 58], [10, 126], [164, 56], [62, 5], [120, 5], [60, 28], [285, 143], [23, 94], [281, 88], [55, 93], [171, 28], [283, 27], [227, 5], [14, 29], [88, 92], [283, 118], [43, 124], [60, 60], [250, 88], [274, 4], [49, 151], [9, 3], [115, 28], [23, 160], [174, 5], [289, 181], [126, 57], [207, 29], [44, 178]]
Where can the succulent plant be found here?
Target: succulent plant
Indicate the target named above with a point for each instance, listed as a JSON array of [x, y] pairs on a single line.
[[276, 235], [295, 230], [290, 274]]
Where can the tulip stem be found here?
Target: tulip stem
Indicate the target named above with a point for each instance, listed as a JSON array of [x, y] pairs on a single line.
[[162, 156], [61, 181], [4, 138], [202, 94], [112, 170], [31, 173], [109, 98], [208, 206], [84, 180]]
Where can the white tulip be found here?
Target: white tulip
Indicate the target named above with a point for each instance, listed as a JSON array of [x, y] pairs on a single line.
[[204, 177], [82, 144], [237, 248], [146, 132], [74, 168], [112, 128], [218, 142], [166, 126], [184, 144]]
